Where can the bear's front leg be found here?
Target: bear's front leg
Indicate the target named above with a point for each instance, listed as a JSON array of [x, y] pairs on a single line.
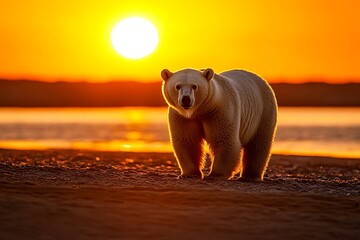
[[226, 161], [186, 138]]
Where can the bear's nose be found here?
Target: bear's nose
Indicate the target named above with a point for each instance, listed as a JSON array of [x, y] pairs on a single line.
[[185, 101]]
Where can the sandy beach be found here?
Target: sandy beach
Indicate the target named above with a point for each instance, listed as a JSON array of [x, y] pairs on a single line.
[[68, 194]]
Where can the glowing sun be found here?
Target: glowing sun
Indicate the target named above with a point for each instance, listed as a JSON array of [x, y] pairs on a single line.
[[134, 37]]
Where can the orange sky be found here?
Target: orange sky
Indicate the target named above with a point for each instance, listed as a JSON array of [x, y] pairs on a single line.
[[70, 40]]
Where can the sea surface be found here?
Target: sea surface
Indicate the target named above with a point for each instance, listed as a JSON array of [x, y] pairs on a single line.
[[301, 131]]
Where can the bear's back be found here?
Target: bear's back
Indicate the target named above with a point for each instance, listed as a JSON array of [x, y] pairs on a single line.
[[248, 84], [242, 78]]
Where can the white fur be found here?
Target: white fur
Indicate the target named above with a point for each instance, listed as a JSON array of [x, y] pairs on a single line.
[[186, 113], [232, 111]]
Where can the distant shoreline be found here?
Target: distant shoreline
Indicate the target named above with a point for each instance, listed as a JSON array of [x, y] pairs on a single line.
[[26, 93]]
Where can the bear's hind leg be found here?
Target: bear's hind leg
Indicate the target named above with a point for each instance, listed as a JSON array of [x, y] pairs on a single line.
[[257, 154]]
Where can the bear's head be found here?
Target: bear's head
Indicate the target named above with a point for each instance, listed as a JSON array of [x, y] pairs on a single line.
[[186, 90]]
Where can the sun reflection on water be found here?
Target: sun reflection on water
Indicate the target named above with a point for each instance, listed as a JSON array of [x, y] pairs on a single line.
[[304, 131]]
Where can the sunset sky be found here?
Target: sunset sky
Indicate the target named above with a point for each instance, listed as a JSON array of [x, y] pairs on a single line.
[[279, 40]]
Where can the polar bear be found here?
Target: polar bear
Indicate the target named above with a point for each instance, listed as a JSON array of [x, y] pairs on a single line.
[[231, 111]]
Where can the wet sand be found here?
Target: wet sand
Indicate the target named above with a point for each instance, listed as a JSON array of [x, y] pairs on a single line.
[[67, 194]]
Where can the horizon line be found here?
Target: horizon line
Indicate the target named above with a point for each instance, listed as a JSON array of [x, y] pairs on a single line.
[[152, 81]]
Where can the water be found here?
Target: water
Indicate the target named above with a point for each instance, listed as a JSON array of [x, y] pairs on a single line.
[[305, 131]]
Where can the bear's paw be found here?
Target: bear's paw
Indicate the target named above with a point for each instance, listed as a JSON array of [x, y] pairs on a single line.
[[250, 179], [190, 176]]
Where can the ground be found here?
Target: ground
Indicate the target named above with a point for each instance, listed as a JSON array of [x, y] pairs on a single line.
[[68, 194]]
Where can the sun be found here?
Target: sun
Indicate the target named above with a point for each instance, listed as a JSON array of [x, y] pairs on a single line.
[[134, 37]]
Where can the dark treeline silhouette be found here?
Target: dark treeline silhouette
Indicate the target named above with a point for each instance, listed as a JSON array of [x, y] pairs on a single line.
[[23, 93], [317, 94]]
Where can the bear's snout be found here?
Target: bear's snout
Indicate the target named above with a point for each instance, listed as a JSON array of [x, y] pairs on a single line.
[[185, 102]]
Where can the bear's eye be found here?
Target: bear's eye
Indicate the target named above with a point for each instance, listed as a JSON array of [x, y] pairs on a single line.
[[178, 87], [194, 87]]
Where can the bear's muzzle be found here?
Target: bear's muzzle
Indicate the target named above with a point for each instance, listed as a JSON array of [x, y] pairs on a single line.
[[185, 102]]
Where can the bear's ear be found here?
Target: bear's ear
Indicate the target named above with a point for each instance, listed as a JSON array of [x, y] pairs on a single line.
[[166, 74], [208, 74]]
